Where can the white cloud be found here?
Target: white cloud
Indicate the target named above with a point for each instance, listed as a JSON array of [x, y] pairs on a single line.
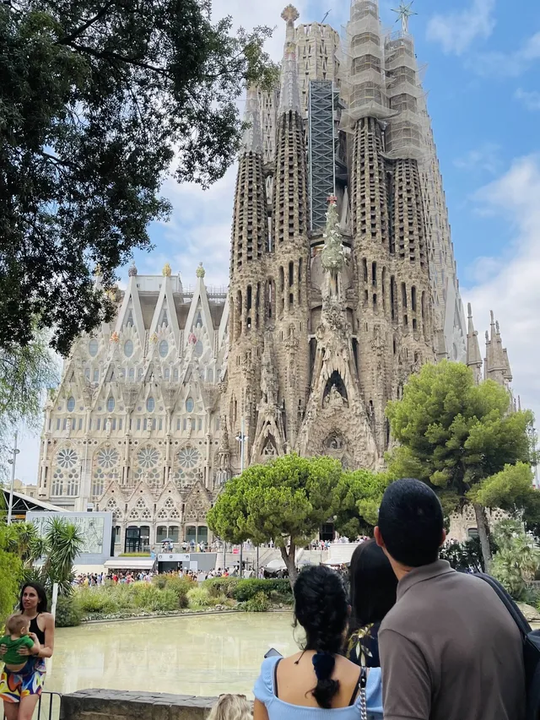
[[512, 288], [512, 64], [485, 158], [456, 31], [531, 99]]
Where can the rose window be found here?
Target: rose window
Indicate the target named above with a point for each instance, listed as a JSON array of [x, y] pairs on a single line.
[[188, 457], [148, 458], [107, 458], [67, 458]]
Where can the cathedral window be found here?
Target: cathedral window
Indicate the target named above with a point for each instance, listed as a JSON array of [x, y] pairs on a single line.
[[167, 374], [128, 348], [58, 424], [96, 376], [148, 457], [163, 348], [198, 348], [132, 373], [150, 404], [188, 457], [80, 423], [139, 424], [71, 404], [413, 298], [93, 347], [67, 458], [110, 404], [190, 404], [64, 424], [210, 375]]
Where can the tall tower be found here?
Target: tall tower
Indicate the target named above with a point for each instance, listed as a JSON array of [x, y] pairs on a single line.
[[348, 301], [247, 280], [288, 261]]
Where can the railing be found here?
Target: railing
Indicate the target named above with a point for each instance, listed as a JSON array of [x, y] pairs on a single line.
[[48, 707]]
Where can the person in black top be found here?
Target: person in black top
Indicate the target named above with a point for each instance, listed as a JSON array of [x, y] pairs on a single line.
[[372, 594], [20, 691]]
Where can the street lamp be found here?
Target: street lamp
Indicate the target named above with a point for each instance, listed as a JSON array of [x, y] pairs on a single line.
[[242, 438], [12, 462]]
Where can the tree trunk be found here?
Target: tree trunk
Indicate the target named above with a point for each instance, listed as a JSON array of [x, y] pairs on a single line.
[[483, 530], [289, 558]]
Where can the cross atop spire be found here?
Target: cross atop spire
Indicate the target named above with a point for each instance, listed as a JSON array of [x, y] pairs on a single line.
[[290, 14], [404, 12]]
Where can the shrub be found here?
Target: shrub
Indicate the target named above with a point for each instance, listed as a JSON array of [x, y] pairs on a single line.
[[518, 558], [102, 601], [272, 589], [152, 599], [68, 611], [179, 585], [199, 598], [221, 586], [258, 603]]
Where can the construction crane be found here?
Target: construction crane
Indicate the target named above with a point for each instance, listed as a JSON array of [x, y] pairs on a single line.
[[324, 18]]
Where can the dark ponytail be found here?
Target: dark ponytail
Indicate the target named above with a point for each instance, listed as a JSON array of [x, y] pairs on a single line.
[[321, 609]]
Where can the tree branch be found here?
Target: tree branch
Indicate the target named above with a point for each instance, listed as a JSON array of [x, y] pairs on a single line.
[[79, 31]]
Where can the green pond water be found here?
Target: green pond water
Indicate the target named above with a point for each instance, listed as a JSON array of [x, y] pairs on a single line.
[[195, 655]]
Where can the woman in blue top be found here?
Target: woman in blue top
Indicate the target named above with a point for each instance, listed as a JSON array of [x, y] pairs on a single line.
[[319, 681]]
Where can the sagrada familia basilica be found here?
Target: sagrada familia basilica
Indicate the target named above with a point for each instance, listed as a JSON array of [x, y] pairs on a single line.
[[342, 283]]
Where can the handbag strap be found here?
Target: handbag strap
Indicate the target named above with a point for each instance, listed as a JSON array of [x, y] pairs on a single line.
[[362, 689]]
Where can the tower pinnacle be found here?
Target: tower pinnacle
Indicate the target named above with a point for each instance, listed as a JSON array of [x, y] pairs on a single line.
[[474, 358], [252, 140], [404, 12], [290, 89]]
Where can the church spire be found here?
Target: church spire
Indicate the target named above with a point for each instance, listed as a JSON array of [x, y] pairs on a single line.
[[290, 88], [252, 140], [474, 358], [497, 363]]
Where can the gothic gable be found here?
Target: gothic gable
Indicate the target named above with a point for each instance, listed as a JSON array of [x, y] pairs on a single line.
[[198, 504]]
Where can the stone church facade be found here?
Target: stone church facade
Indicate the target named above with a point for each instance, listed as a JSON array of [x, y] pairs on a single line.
[[134, 427], [342, 283]]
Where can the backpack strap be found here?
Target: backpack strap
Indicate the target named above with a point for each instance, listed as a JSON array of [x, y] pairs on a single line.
[[518, 617]]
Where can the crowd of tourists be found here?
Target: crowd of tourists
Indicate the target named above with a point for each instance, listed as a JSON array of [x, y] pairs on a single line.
[[412, 639]]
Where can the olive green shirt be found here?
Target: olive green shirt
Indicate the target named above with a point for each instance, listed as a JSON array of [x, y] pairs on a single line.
[[450, 650]]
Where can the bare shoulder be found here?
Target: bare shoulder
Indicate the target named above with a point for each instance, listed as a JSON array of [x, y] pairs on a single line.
[[346, 668], [48, 619]]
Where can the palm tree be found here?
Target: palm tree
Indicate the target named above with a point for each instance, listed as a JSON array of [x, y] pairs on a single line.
[[63, 542]]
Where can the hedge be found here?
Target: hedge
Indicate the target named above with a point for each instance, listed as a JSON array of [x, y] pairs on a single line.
[[272, 589]]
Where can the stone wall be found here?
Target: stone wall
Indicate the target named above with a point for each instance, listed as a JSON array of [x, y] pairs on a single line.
[[123, 705]]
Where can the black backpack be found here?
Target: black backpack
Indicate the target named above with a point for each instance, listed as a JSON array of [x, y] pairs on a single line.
[[531, 648]]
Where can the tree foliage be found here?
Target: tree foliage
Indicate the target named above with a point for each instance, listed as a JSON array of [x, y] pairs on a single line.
[[97, 99], [462, 439], [517, 559], [11, 574], [285, 501], [359, 497], [49, 558]]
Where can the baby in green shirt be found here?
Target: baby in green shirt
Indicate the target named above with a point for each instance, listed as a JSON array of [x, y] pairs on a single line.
[[17, 627]]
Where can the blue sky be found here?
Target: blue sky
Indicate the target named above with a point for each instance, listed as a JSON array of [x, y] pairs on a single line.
[[482, 76]]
